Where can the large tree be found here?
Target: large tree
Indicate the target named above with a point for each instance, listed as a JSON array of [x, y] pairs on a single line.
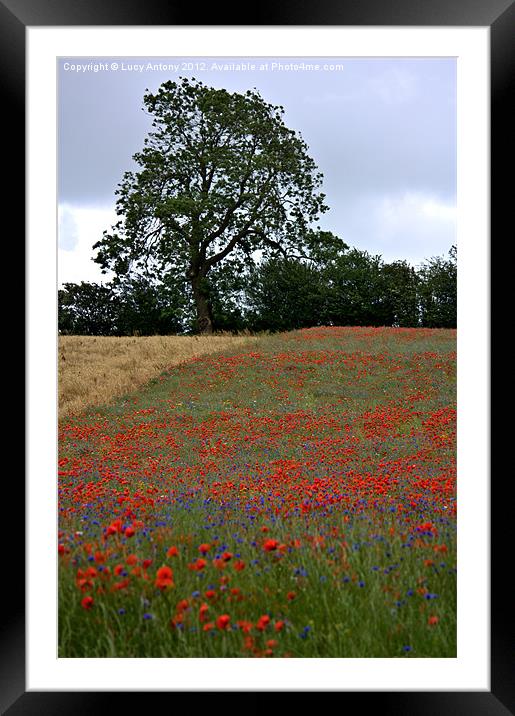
[[220, 177]]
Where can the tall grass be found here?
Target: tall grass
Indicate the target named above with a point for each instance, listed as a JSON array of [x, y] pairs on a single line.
[[97, 369]]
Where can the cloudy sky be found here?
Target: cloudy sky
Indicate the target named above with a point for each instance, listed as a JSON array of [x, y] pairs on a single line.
[[381, 131]]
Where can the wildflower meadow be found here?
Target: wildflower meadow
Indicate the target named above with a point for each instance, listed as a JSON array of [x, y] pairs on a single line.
[[293, 498]]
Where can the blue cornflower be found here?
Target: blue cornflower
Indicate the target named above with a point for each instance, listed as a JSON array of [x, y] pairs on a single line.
[[304, 633]]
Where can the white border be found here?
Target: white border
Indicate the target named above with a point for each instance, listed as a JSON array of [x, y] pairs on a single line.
[[470, 670]]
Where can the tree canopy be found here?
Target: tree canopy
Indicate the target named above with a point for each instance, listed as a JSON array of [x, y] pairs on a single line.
[[220, 178], [351, 287]]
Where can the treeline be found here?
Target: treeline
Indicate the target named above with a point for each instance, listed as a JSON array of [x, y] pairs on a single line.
[[353, 288]]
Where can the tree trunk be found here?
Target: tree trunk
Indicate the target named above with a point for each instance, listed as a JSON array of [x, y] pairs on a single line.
[[204, 314]]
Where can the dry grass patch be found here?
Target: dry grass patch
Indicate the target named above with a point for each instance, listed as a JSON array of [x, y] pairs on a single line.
[[94, 370]]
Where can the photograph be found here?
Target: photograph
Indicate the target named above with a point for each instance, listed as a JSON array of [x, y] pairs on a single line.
[[258, 256], [257, 329]]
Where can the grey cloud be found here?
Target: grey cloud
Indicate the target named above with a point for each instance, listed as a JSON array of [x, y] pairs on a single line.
[[379, 128]]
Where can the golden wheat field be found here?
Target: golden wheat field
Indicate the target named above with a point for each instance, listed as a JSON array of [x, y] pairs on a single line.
[[94, 370]]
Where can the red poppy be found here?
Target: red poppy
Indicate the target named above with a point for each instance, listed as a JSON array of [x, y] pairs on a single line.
[[164, 578], [131, 559], [210, 594], [263, 622], [433, 620], [245, 626], [172, 552], [279, 625], [197, 565], [147, 563], [270, 545], [87, 602], [204, 548], [248, 642], [84, 584], [223, 622], [291, 596], [121, 585], [239, 565], [114, 527], [129, 532]]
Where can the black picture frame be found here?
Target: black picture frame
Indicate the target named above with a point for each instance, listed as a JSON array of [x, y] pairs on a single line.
[[499, 16]]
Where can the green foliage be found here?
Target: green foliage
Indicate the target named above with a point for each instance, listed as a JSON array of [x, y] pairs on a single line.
[[284, 294], [342, 287], [438, 291], [133, 307], [401, 289], [220, 177], [88, 309], [147, 308], [356, 290]]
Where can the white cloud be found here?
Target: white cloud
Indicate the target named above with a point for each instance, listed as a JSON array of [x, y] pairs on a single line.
[[67, 231], [411, 226], [391, 86], [395, 86], [412, 221], [79, 229]]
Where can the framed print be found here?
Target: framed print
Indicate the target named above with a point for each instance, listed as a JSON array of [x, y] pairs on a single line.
[[68, 53]]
